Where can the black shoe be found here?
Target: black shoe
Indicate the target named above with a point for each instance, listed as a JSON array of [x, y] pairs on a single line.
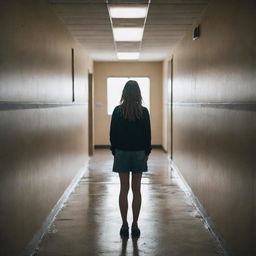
[[135, 231], [124, 231]]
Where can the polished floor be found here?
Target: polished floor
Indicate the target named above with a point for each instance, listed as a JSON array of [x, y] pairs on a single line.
[[89, 222]]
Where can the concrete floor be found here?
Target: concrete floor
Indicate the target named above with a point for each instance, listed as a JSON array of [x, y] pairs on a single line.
[[89, 222]]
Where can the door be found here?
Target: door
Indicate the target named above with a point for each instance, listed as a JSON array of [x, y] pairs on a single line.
[[171, 126], [170, 109], [90, 114]]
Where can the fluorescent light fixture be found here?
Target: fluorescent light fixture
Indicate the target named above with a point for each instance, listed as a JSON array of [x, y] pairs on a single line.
[[128, 12], [128, 55], [128, 34]]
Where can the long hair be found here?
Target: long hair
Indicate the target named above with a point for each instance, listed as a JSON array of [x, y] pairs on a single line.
[[131, 101]]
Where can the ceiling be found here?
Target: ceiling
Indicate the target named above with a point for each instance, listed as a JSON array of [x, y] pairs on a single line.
[[166, 23]]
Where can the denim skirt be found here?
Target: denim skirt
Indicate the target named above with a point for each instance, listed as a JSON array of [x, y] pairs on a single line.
[[130, 161]]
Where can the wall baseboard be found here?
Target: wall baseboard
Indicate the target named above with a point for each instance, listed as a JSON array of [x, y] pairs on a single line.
[[108, 146], [32, 246], [208, 223]]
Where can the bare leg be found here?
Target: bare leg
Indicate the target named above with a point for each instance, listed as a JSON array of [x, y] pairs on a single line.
[[123, 201], [136, 203]]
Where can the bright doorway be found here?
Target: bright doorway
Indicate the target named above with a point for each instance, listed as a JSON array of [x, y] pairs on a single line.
[[115, 87]]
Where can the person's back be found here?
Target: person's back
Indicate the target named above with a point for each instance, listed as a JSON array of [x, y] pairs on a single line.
[[130, 134]]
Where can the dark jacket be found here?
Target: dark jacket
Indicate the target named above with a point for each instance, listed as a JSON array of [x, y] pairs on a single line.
[[130, 135]]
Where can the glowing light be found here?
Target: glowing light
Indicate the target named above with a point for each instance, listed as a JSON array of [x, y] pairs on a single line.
[[128, 34], [128, 55], [115, 87], [128, 12]]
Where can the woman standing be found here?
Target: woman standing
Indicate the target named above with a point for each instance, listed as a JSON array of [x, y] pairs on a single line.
[[130, 137]]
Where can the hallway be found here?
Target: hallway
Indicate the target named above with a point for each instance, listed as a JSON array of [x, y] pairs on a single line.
[[90, 221], [63, 66]]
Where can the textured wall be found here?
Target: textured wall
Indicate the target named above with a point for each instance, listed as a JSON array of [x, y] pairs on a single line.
[[102, 71], [214, 143], [42, 148]]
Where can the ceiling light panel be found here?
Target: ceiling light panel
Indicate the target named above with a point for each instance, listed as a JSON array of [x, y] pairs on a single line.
[[131, 12], [128, 23], [128, 55], [128, 34], [128, 46], [141, 2]]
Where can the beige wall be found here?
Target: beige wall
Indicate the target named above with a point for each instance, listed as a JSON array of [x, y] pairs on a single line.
[[103, 70], [214, 144], [42, 146]]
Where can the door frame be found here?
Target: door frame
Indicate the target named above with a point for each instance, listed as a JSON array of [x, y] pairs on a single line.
[[90, 114], [170, 109], [171, 131]]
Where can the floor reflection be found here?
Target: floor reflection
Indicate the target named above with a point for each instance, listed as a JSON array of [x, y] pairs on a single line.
[[134, 244], [124, 246]]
